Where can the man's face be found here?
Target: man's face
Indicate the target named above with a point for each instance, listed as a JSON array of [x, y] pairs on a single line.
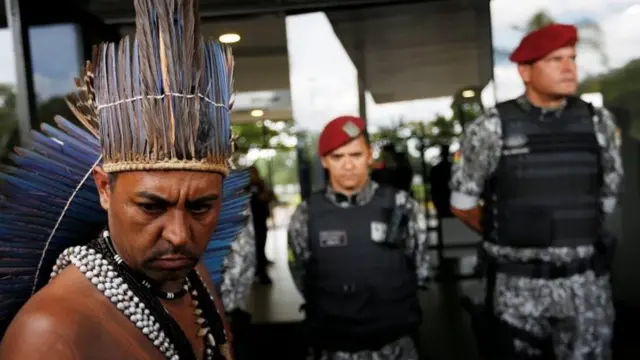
[[161, 221], [554, 75], [349, 165]]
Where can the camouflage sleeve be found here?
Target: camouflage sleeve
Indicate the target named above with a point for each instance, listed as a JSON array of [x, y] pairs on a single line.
[[417, 245], [476, 160], [298, 238], [240, 267], [610, 139]]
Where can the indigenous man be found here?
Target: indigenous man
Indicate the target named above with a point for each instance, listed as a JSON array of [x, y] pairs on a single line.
[[358, 254], [548, 168], [161, 111]]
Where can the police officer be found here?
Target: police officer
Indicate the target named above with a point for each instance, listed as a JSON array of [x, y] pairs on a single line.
[[547, 167], [358, 253]]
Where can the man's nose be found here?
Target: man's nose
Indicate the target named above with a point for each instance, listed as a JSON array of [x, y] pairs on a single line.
[[176, 230], [568, 65], [348, 163]]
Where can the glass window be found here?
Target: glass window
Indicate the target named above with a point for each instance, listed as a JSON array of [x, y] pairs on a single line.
[[56, 54], [8, 117], [324, 85]]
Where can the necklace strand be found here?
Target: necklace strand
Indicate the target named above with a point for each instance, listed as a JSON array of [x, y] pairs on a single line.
[[145, 281]]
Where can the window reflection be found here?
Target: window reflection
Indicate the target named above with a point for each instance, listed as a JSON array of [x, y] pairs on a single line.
[[56, 52], [8, 116]]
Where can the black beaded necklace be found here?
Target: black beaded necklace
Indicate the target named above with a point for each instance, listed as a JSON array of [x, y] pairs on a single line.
[[147, 282], [148, 296]]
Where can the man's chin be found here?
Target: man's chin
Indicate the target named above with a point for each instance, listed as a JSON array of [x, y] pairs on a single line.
[[351, 184], [171, 273], [566, 91]]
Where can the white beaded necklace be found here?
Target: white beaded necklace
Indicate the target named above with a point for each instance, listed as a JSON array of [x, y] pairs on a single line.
[[98, 270]]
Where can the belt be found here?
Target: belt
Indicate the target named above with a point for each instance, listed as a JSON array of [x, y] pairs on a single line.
[[546, 270]]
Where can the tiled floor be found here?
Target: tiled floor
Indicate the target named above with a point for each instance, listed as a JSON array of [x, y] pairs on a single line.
[[279, 302]]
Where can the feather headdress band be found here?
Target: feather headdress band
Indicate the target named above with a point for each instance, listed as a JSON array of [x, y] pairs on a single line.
[[162, 100]]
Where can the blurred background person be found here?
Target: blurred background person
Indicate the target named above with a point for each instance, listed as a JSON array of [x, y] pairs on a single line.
[[261, 198]]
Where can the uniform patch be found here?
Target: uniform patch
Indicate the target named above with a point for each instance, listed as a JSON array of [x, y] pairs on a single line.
[[333, 238], [351, 129], [457, 156], [515, 145], [515, 141], [378, 231]]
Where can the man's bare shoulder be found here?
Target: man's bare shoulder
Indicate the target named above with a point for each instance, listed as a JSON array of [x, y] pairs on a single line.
[[39, 334], [56, 322]]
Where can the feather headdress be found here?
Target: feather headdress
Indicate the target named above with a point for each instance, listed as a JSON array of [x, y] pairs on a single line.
[[158, 102], [162, 100]]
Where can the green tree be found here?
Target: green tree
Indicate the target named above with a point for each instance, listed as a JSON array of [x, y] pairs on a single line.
[[620, 88], [283, 167], [253, 135], [442, 130]]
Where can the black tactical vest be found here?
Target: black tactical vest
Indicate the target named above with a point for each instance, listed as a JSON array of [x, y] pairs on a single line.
[[359, 294], [545, 191]]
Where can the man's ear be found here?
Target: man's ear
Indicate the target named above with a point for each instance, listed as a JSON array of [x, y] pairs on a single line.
[[525, 72], [102, 183], [323, 161]]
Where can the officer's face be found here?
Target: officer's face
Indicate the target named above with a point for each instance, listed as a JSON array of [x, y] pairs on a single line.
[[349, 165], [161, 221], [553, 76]]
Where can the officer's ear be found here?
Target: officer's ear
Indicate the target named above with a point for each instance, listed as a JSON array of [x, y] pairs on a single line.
[[323, 161], [525, 72]]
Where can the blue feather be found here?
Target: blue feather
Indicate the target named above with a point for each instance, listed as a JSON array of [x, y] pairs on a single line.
[[231, 221]]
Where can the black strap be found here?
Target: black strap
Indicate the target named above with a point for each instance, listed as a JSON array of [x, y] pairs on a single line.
[[546, 270]]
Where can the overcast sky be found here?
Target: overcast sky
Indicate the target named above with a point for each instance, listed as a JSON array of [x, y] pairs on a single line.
[[323, 77]]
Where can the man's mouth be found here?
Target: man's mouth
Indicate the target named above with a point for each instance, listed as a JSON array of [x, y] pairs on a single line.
[[173, 262]]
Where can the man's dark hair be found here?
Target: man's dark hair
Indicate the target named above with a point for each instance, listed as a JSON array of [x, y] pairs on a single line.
[[111, 179]]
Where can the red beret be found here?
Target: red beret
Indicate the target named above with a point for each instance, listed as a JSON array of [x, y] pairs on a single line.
[[338, 132], [544, 41]]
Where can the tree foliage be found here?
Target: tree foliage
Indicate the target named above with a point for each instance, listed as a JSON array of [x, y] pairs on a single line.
[[256, 135]]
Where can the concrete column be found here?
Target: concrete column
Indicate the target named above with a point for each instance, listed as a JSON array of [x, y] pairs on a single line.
[[362, 101], [26, 102]]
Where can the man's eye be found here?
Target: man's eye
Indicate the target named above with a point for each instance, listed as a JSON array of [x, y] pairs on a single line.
[[200, 209], [151, 208]]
